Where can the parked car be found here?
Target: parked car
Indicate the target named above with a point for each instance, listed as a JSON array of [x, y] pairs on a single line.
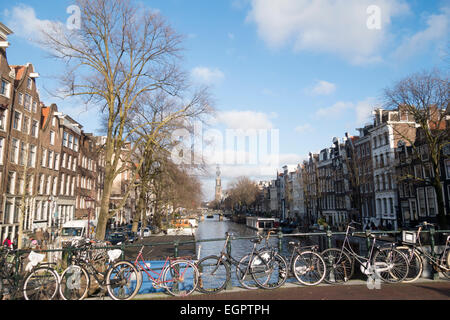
[[145, 232], [131, 236], [116, 237]]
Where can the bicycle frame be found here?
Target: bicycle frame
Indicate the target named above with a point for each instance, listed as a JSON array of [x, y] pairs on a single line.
[[141, 265], [433, 259], [363, 261]]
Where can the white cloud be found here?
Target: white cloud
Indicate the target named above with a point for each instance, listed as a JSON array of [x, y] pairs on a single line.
[[364, 110], [207, 75], [436, 31], [334, 110], [322, 87], [237, 119], [304, 128], [336, 26], [23, 21], [361, 109]]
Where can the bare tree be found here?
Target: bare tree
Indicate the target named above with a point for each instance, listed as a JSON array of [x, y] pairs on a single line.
[[425, 98], [242, 193], [120, 52]]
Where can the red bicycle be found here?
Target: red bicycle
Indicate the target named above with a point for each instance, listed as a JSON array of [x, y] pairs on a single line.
[[178, 276]]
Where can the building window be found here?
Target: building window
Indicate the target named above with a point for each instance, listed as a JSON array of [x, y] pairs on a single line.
[[30, 83], [11, 183], [56, 161], [50, 159], [44, 158], [34, 106], [55, 182], [4, 88], [70, 141], [28, 101], [65, 139], [3, 119], [52, 138], [2, 147], [17, 120], [21, 98], [431, 199], [14, 154], [48, 185], [23, 152], [422, 204], [75, 144], [35, 129], [32, 156]]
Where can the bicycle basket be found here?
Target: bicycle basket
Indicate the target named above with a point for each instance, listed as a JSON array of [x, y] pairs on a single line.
[[409, 237]]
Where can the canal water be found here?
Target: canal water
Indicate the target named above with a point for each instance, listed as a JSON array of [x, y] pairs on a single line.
[[213, 228]]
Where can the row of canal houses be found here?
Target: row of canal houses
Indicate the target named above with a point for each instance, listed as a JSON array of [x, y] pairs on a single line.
[[359, 178], [50, 169]]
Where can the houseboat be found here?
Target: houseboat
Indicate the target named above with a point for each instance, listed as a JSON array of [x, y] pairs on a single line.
[[261, 224]]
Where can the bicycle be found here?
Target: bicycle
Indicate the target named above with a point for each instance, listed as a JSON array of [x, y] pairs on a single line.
[[268, 268], [414, 253], [307, 264], [215, 270], [36, 281], [178, 276], [388, 263], [120, 278]]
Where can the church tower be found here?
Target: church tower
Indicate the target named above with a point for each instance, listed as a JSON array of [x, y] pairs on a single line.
[[218, 194]]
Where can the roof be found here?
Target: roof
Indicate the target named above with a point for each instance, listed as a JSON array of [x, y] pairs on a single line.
[[45, 115]]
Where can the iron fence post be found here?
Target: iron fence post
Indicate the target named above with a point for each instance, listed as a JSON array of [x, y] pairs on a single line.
[[229, 285], [280, 239], [367, 243], [175, 243], [434, 274], [329, 235]]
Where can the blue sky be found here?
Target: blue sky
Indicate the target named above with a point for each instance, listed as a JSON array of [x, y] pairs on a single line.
[[310, 69]]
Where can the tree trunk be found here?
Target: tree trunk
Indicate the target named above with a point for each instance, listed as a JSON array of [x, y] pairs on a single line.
[[104, 207], [441, 217]]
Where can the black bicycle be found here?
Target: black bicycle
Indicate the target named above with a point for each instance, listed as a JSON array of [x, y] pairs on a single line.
[[416, 253], [252, 270], [37, 280], [389, 264], [119, 278]]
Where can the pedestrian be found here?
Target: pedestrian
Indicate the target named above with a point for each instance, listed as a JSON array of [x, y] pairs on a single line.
[[7, 243]]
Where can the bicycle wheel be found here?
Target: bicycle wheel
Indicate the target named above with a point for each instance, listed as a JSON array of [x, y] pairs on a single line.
[[309, 268], [180, 278], [123, 281], [391, 265], [339, 266], [41, 284], [74, 283], [415, 267], [269, 269], [214, 274], [445, 261], [244, 275]]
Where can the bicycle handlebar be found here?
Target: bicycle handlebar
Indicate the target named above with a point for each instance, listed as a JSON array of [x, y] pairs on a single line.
[[424, 224]]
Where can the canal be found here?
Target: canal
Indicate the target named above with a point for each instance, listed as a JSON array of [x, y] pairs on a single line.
[[213, 228]]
